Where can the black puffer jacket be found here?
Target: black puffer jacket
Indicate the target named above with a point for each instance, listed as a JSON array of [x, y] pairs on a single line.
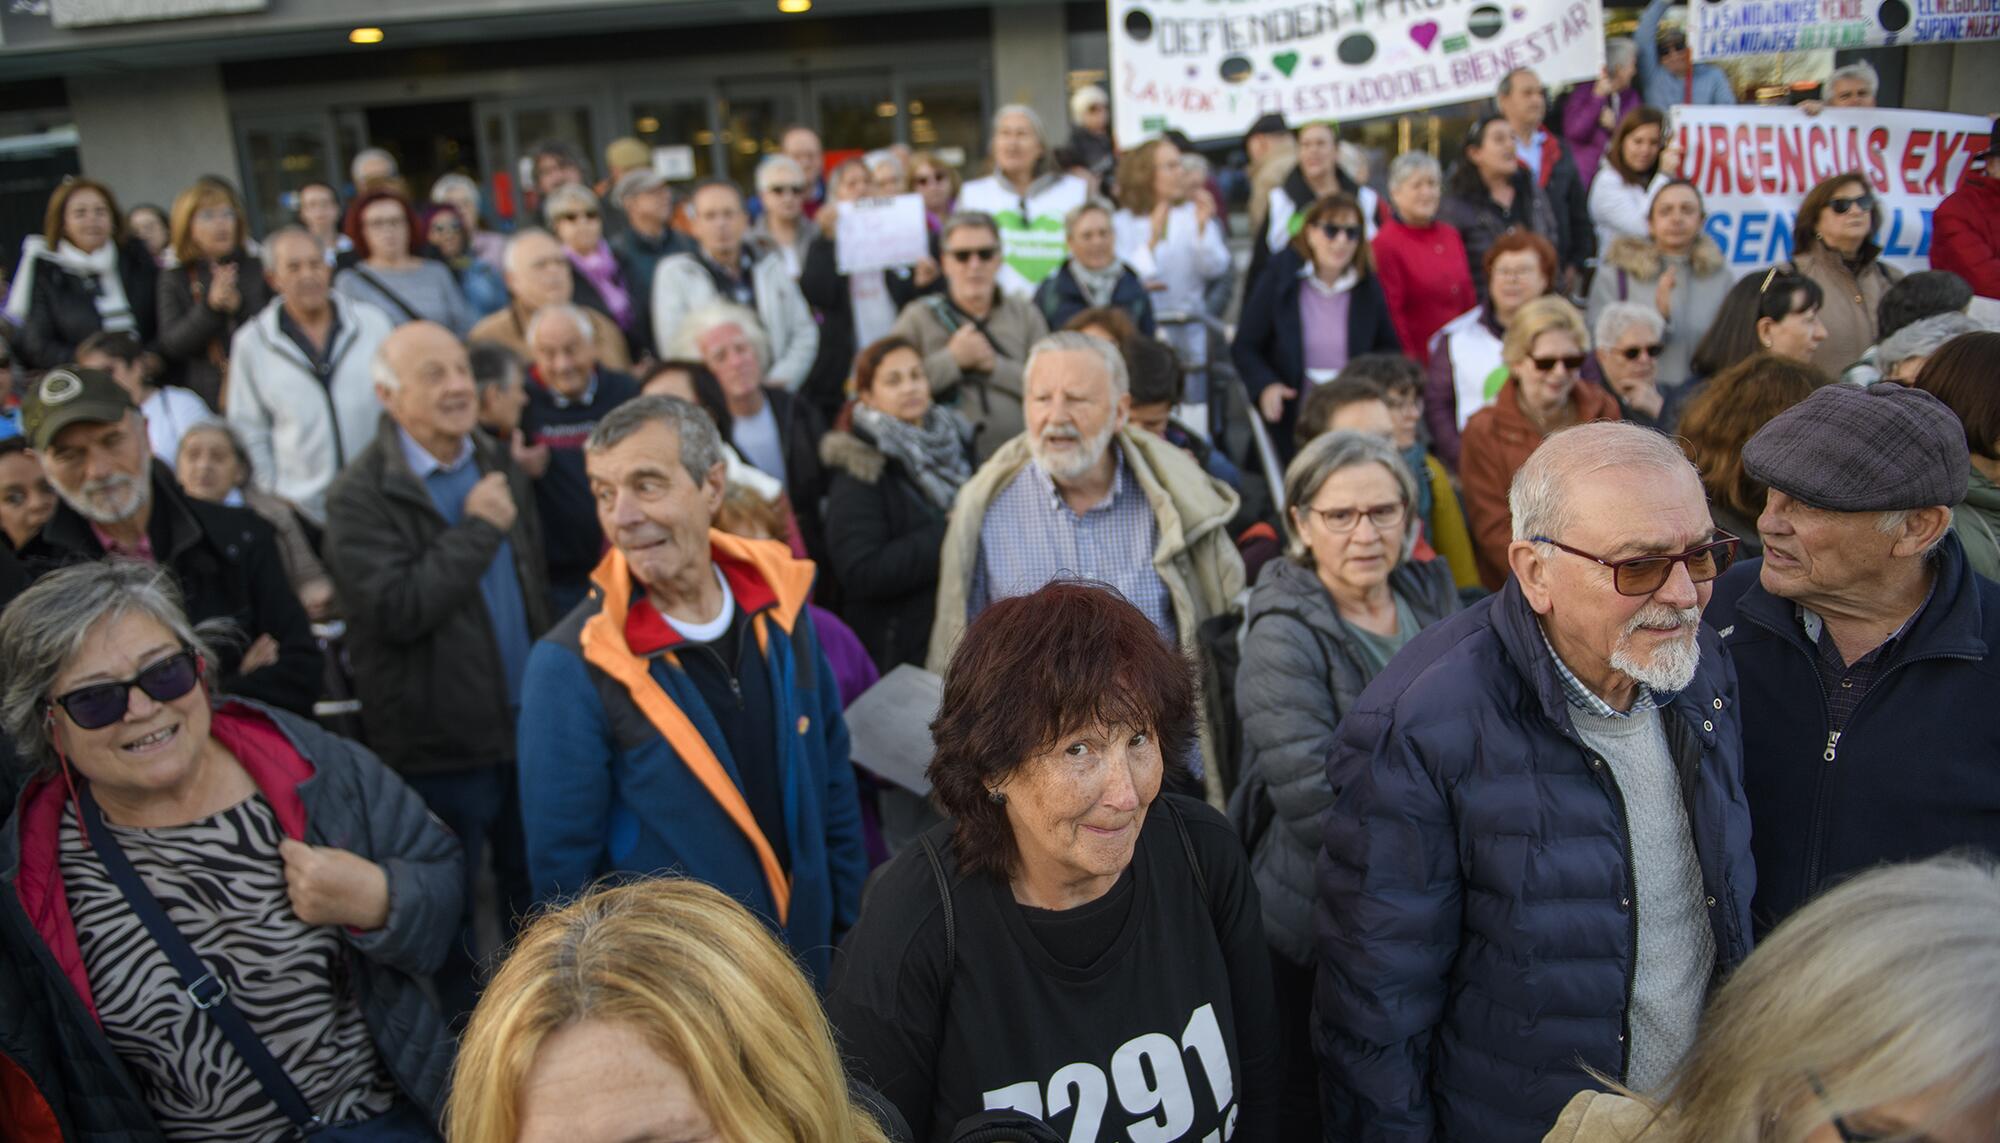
[[342, 796], [884, 538], [62, 307], [427, 666], [227, 564]]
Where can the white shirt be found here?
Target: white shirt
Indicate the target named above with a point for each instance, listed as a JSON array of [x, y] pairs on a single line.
[[874, 312], [713, 629], [170, 412], [1187, 258]]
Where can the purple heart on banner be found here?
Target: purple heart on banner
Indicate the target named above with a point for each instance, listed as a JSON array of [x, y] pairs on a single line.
[[1425, 34]]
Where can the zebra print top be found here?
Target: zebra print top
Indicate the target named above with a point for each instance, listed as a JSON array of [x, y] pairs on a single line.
[[221, 881]]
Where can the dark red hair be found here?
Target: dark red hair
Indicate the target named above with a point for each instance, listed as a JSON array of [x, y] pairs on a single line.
[[1515, 241], [358, 234], [1031, 670]]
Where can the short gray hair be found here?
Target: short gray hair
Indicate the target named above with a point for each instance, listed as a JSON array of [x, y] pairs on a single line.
[[44, 628], [1859, 69], [1071, 341], [965, 219], [1620, 51], [1621, 316], [1409, 165], [1539, 498], [709, 318], [701, 442], [1922, 338], [772, 166], [367, 155], [442, 188], [267, 253], [1329, 453], [1091, 205], [565, 196], [517, 238], [561, 310]]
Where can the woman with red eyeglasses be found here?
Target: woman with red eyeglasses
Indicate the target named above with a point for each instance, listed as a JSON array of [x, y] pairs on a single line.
[[1544, 352], [1833, 244], [224, 912]]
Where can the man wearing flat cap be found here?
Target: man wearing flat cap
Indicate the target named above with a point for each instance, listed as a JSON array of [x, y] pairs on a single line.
[[118, 503], [1868, 652]]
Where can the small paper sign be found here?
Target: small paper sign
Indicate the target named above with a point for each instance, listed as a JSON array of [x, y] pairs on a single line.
[[880, 233], [675, 164]]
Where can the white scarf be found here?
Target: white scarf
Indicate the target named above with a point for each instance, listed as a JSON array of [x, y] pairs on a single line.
[[114, 310]]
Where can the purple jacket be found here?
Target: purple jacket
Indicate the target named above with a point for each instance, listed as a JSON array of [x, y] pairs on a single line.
[[1587, 138]]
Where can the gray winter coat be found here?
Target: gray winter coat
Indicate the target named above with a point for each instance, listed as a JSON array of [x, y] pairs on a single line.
[[1297, 649]]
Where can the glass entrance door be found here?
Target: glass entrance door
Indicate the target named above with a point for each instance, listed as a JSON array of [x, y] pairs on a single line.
[[280, 154], [507, 128], [752, 114]]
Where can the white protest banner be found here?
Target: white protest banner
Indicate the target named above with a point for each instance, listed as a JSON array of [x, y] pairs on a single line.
[[1754, 165], [1724, 28], [878, 233], [1211, 67]]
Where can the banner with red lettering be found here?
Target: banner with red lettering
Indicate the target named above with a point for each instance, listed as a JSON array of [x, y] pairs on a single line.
[[1754, 165], [1723, 28], [1211, 67]]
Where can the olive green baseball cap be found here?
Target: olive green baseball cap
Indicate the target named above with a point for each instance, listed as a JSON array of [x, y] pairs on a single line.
[[67, 395]]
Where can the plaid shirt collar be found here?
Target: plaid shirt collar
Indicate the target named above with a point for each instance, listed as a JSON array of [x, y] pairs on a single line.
[[1583, 698]]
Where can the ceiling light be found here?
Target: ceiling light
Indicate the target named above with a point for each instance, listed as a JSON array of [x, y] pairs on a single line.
[[365, 36], [794, 7]]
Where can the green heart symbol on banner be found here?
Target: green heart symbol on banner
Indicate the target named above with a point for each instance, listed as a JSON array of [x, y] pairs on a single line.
[[1034, 249], [1285, 62]]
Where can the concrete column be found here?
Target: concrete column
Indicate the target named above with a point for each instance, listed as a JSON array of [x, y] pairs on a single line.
[[1974, 89], [147, 135], [1031, 63]]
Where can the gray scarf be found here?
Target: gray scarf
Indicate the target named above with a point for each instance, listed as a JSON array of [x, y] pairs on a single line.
[[1097, 285], [933, 453]]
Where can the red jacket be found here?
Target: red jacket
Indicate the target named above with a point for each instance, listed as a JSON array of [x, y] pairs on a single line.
[[1965, 233], [1426, 279], [1498, 441]]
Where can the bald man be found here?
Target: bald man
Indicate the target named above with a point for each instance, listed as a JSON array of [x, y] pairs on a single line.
[[538, 274], [436, 551]]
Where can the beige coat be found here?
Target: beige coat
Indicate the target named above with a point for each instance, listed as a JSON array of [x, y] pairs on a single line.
[[1196, 558], [1851, 303], [991, 401], [1600, 1117]]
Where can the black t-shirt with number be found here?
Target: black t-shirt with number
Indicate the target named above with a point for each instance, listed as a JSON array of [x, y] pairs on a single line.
[[1165, 1033]]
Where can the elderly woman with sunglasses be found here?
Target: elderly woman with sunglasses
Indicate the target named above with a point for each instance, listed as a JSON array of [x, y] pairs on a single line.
[[1318, 305], [1545, 351], [598, 279], [974, 337], [229, 910], [1317, 630], [1833, 245]]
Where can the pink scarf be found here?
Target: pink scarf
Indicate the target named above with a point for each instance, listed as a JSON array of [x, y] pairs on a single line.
[[601, 267]]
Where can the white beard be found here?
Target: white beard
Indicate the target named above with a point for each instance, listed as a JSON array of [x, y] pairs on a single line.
[[1673, 665], [130, 494], [1076, 462]]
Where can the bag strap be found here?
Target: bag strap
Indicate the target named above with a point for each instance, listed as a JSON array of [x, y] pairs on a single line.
[[944, 896], [208, 992], [395, 299], [1194, 863], [1624, 287]]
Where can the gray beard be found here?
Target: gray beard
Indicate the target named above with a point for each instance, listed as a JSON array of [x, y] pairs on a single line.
[[138, 492], [1674, 664], [1089, 451]]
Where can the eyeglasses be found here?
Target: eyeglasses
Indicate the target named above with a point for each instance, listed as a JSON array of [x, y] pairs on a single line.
[[575, 215], [976, 253], [1632, 352], [101, 704], [785, 188], [1548, 364], [215, 214], [1333, 231], [1341, 520], [1644, 575], [927, 179], [1518, 273], [1861, 202]]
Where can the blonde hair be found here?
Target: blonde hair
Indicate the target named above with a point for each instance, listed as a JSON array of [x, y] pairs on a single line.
[[205, 192], [695, 975], [1546, 314], [1885, 987]]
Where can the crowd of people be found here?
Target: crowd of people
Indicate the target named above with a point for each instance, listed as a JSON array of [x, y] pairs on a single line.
[[1579, 733]]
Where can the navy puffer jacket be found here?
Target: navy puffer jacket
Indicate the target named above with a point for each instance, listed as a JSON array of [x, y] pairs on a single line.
[[1474, 949]]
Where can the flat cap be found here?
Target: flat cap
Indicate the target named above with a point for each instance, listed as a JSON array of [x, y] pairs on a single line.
[[1846, 448], [1270, 123], [636, 182]]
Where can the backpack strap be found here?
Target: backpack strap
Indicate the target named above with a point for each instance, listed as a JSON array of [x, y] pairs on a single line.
[[944, 898]]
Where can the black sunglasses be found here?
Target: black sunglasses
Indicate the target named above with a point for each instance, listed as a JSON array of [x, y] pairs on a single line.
[[785, 188], [976, 253], [1644, 575], [1632, 352], [101, 704], [1334, 230], [1861, 202], [1572, 363]]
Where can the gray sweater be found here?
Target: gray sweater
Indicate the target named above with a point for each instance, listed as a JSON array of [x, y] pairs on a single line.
[[426, 288], [1676, 947], [1303, 668]]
